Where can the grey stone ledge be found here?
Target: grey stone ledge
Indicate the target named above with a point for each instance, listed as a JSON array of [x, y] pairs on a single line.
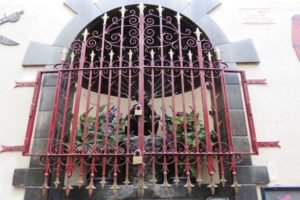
[[252, 175], [212, 30], [239, 52], [70, 31], [85, 9], [39, 54], [176, 5], [198, 8], [28, 177]]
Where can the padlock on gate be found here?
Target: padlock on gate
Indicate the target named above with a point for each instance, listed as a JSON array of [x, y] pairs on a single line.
[[138, 110], [137, 158]]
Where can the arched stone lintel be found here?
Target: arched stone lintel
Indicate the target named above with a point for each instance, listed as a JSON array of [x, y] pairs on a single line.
[[86, 9], [39, 54], [240, 52]]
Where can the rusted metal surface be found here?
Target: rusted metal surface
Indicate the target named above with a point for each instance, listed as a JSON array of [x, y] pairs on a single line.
[[256, 81], [25, 84], [5, 148], [296, 34], [269, 144], [143, 58]]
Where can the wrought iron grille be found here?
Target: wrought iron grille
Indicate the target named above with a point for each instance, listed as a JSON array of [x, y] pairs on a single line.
[[140, 100]]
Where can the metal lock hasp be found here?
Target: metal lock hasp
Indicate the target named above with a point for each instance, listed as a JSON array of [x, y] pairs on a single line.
[[137, 158], [138, 110]]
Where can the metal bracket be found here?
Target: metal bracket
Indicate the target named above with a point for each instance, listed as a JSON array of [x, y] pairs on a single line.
[[25, 84], [268, 144], [11, 148], [256, 81]]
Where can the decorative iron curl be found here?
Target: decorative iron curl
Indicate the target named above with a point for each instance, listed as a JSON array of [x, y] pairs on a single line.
[[91, 42], [149, 19], [206, 46], [76, 47]]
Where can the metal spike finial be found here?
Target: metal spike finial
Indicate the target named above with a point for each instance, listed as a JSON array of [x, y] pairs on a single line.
[[130, 53], [178, 17], [141, 7], [123, 10], [64, 54], [85, 34], [152, 53], [171, 53], [198, 33], [56, 183], [111, 54], [218, 53], [160, 10], [190, 55], [209, 56], [105, 17], [92, 55], [72, 56]]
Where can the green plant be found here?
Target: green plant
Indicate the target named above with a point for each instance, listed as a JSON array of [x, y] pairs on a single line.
[[191, 136], [190, 129], [89, 127]]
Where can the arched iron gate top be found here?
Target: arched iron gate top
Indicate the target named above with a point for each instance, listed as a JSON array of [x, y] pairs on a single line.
[[165, 33]]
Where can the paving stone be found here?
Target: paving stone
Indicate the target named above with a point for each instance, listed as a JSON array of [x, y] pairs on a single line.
[[34, 193], [19, 178], [28, 177], [238, 122], [232, 78], [49, 80], [241, 144], [234, 97], [42, 126], [39, 147], [151, 192], [261, 175], [47, 97], [247, 192]]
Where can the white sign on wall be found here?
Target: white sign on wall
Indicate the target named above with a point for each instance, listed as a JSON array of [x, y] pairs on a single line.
[[257, 15]]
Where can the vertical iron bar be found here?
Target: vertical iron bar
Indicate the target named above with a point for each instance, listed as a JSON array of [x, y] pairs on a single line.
[[70, 159], [53, 124], [249, 113], [115, 167], [128, 119], [188, 185], [32, 113], [210, 165], [99, 97], [217, 122], [107, 120], [194, 107], [165, 166], [176, 180], [87, 111], [154, 180], [141, 86], [64, 122], [229, 130]]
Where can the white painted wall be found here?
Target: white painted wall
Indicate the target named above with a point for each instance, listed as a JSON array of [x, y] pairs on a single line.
[[275, 106], [42, 21]]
